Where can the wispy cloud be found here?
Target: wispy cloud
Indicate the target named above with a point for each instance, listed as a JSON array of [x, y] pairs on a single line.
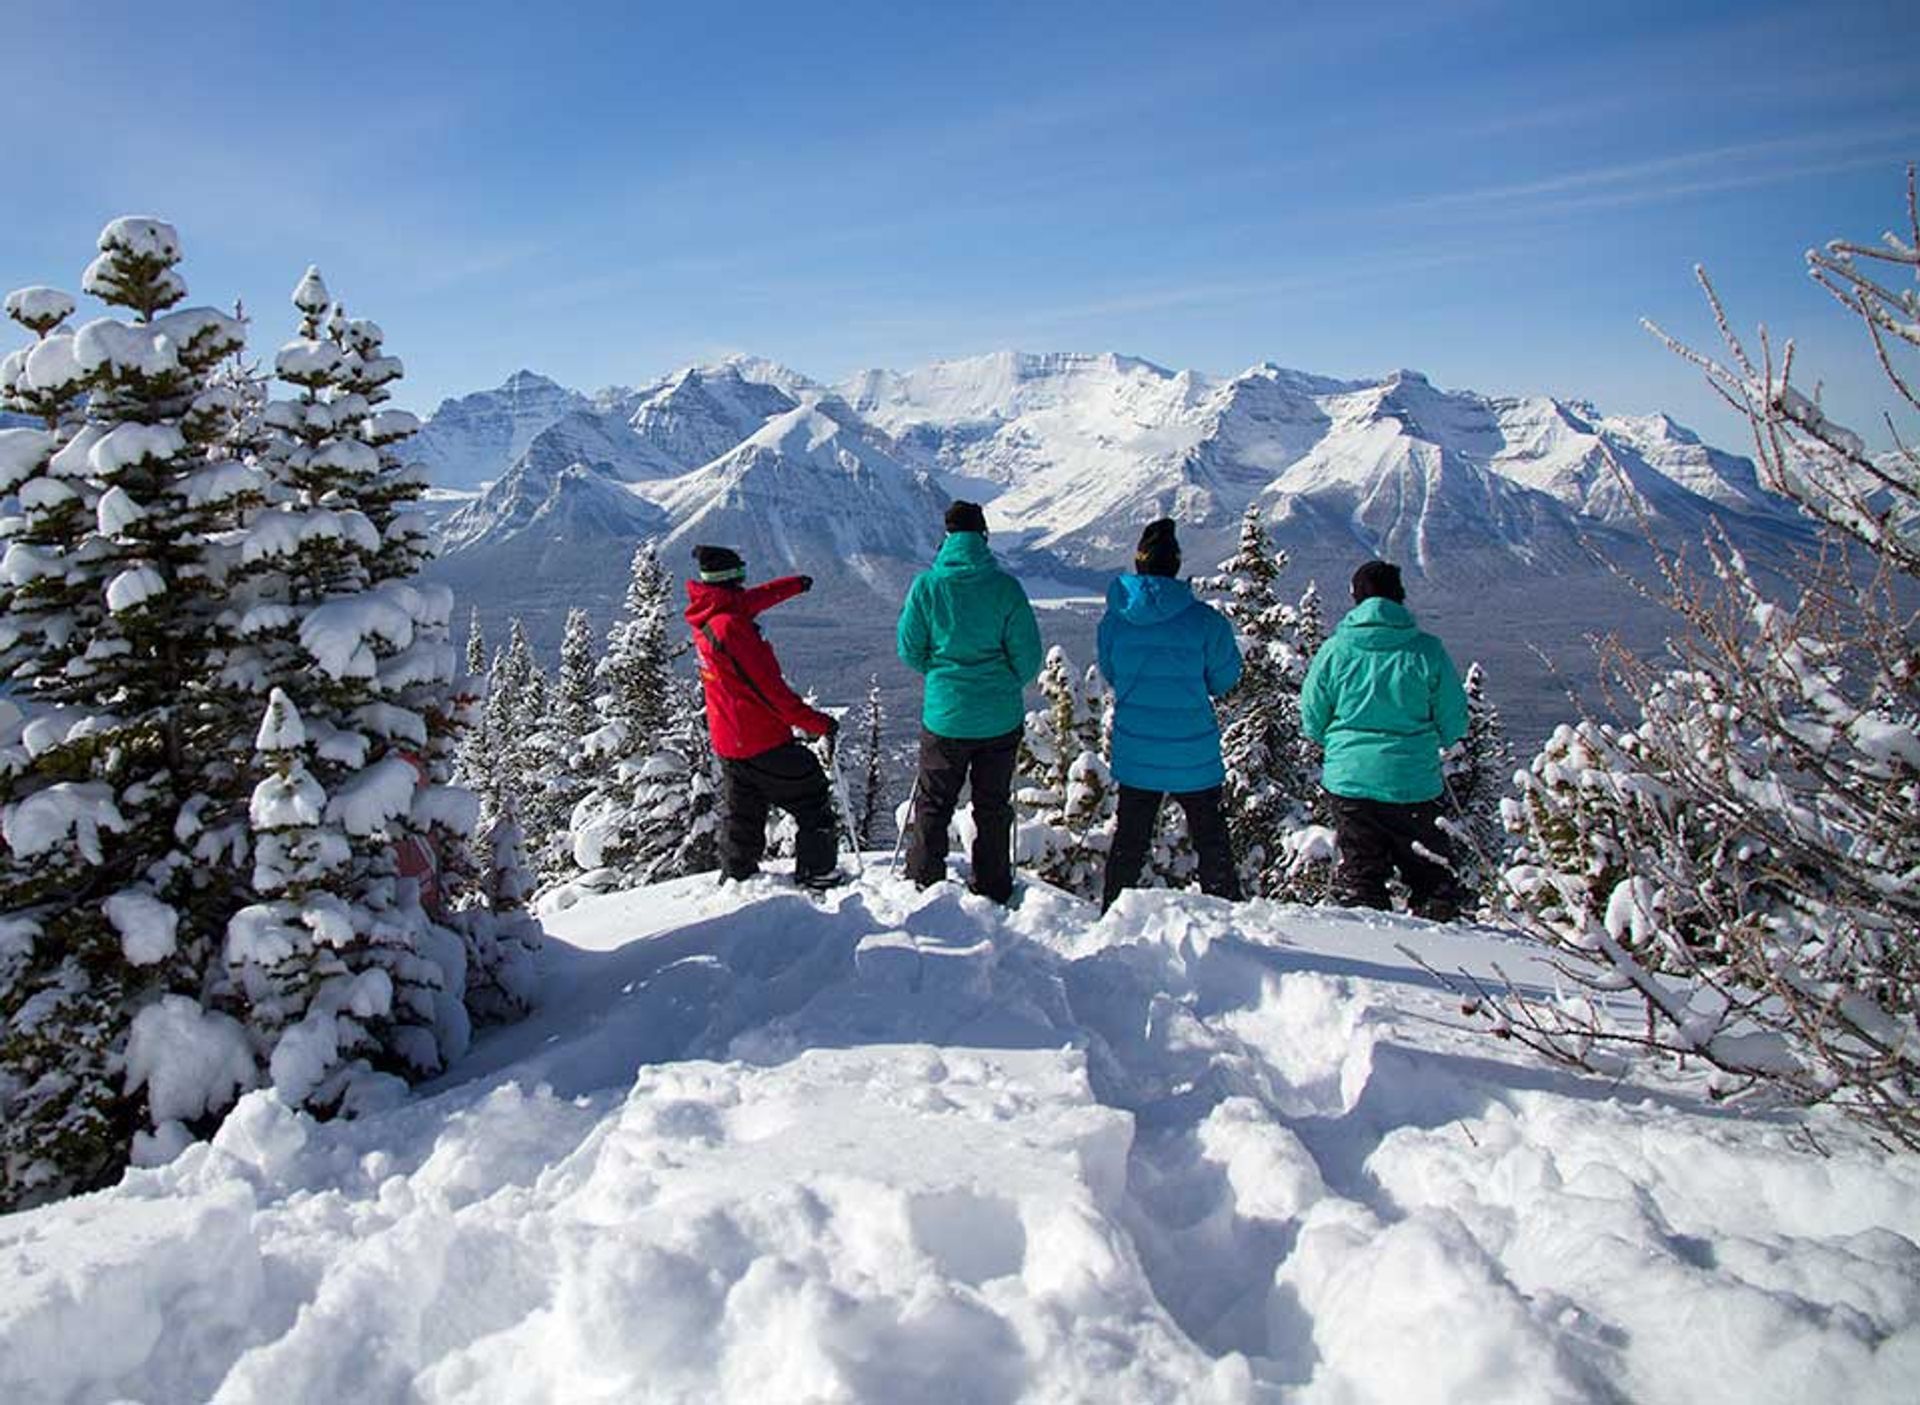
[[1650, 178]]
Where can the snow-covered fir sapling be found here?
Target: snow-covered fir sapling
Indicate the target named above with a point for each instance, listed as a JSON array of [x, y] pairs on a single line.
[[1479, 775], [1273, 797], [871, 805], [567, 774], [311, 1006], [1742, 856], [649, 813], [512, 709], [1064, 805]]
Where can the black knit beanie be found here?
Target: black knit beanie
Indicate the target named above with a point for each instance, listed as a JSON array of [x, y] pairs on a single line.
[[1159, 551], [966, 517], [720, 565], [1378, 578]]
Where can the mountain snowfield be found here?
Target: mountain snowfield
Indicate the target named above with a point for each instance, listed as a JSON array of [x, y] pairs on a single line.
[[904, 1146], [1507, 513], [1075, 452]]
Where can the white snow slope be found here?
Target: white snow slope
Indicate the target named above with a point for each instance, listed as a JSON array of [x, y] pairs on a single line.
[[907, 1147]]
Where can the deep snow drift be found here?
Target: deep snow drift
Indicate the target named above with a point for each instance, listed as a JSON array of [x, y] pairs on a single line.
[[904, 1146]]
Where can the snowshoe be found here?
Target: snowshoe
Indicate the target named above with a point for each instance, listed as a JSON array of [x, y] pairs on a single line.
[[819, 884]]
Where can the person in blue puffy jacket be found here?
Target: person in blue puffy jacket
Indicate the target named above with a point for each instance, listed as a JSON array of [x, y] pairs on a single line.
[[1166, 656]]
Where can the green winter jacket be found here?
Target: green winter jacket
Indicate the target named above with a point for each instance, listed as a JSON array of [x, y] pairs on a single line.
[[1383, 699], [968, 627]]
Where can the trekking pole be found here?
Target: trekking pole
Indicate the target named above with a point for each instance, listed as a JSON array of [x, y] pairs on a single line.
[[844, 821], [913, 798]]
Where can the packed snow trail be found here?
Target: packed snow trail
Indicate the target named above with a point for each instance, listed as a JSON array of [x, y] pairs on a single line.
[[906, 1146]]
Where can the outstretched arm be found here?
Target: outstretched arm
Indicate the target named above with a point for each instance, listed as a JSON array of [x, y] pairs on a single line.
[[770, 593]]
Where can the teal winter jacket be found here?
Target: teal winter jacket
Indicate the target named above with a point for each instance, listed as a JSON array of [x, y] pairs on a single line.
[[968, 627], [1167, 656], [1383, 698]]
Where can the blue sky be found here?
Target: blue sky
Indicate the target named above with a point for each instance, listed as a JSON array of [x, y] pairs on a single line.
[[1491, 192]]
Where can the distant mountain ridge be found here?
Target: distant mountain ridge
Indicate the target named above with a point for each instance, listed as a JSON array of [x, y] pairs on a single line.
[[1501, 508], [1074, 452]]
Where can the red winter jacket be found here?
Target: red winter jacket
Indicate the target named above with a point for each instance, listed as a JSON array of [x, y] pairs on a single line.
[[744, 722]]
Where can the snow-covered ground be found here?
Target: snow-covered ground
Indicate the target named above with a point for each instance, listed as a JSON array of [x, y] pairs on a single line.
[[904, 1147]]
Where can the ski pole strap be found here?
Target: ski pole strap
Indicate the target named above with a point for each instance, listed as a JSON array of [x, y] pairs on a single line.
[[740, 669]]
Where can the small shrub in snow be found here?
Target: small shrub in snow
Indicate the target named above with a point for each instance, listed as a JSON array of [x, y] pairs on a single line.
[[1742, 856]]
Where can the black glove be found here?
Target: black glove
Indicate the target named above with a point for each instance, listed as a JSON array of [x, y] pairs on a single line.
[[833, 727], [806, 584]]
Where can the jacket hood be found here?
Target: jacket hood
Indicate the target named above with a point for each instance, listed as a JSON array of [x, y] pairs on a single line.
[[964, 551], [705, 601], [1379, 623], [1147, 600]]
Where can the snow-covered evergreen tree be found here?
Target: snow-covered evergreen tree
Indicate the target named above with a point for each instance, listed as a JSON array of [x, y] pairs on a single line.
[[870, 804], [110, 591], [558, 770], [310, 1004], [1742, 855], [650, 812], [334, 622], [1479, 775], [512, 719], [1063, 811], [161, 593], [1273, 797]]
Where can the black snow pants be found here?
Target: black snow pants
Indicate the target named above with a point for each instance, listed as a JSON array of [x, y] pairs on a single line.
[[1139, 811], [788, 776], [1377, 837], [947, 764]]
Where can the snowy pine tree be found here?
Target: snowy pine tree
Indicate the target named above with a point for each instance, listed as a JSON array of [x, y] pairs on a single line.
[[1479, 775], [333, 621], [513, 715], [559, 773], [650, 811], [1273, 797], [161, 593], [870, 805], [1063, 813], [111, 587]]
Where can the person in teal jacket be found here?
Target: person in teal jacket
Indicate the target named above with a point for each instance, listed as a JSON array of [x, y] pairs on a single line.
[[968, 629], [1166, 656], [1383, 698]]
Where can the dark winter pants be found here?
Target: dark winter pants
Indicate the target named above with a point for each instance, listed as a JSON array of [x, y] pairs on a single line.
[[1133, 836], [1377, 837], [947, 764], [788, 776]]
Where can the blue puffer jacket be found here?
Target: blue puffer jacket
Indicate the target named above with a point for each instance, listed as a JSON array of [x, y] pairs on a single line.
[[1166, 656]]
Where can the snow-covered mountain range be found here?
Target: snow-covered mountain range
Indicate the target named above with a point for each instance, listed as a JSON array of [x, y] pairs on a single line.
[[1075, 452], [1493, 504]]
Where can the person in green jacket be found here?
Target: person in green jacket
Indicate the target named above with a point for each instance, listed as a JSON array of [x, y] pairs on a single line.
[[967, 627], [1383, 698]]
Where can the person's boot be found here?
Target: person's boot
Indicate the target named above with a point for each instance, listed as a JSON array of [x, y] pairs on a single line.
[[824, 881]]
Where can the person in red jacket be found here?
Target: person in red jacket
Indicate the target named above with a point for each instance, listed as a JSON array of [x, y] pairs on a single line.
[[752, 714]]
